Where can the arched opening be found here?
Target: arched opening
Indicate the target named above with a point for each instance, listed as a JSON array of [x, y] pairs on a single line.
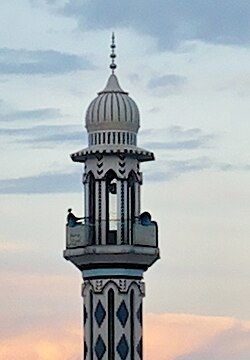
[[111, 207], [131, 203], [91, 206]]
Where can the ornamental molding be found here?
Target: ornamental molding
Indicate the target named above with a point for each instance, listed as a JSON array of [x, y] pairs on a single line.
[[98, 286]]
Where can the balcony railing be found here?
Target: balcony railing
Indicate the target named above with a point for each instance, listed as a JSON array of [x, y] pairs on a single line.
[[83, 234]]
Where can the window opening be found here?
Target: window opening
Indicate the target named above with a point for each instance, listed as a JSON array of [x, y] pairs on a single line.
[[111, 207]]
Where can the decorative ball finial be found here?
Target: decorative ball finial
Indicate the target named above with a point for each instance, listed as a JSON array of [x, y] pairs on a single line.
[[113, 55]]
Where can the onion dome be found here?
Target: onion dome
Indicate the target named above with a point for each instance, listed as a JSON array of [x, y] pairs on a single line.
[[112, 109], [112, 122]]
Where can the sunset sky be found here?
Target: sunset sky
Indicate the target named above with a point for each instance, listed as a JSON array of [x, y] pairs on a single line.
[[186, 64]]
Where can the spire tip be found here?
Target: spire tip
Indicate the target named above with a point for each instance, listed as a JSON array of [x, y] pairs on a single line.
[[113, 65]]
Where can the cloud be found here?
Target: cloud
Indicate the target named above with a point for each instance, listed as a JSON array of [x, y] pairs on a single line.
[[175, 131], [170, 21], [180, 138], [69, 182], [166, 337], [42, 184], [52, 139], [175, 168], [34, 114], [233, 167], [166, 85], [47, 343], [179, 131], [49, 183], [180, 337], [45, 135], [231, 344], [179, 145], [41, 62], [171, 80]]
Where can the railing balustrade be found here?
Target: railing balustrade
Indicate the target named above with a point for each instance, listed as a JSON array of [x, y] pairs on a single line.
[[83, 234]]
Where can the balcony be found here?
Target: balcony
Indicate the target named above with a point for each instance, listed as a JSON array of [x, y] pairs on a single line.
[[145, 235], [139, 251], [82, 235], [78, 236]]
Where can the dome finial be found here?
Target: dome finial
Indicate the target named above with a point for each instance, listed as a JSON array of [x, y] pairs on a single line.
[[113, 55]]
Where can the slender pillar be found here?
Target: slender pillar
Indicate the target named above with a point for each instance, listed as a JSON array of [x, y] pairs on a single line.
[[103, 212]]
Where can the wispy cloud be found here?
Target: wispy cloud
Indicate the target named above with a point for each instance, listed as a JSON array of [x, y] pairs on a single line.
[[166, 337], [167, 81], [179, 145], [175, 168], [177, 138], [41, 62], [33, 114], [170, 21], [42, 184], [43, 343], [45, 135], [181, 337], [70, 182], [180, 132], [230, 344]]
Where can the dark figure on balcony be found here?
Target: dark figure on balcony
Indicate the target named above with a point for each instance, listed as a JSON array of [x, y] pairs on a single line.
[[72, 220]]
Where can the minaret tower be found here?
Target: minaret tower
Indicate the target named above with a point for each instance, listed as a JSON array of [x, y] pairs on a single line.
[[116, 243]]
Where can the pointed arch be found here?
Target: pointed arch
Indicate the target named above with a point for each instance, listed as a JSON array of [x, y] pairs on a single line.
[[91, 205], [111, 207], [132, 176], [131, 201]]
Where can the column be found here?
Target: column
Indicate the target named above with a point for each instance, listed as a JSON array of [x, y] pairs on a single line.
[[98, 212], [103, 212]]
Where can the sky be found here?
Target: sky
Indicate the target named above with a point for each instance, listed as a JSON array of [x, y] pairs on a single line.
[[186, 64]]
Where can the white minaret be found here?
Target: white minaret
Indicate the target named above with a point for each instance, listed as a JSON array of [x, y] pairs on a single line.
[[116, 243]]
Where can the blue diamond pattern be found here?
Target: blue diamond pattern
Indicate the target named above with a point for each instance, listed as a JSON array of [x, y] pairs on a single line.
[[100, 313], [100, 348], [139, 348], [122, 313], [122, 347]]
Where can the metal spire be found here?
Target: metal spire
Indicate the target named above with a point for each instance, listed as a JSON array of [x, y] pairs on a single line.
[[113, 55]]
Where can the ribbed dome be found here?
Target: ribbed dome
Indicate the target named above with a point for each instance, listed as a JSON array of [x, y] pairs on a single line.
[[112, 109]]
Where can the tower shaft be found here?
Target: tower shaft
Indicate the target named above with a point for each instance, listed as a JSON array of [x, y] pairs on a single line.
[[113, 318]]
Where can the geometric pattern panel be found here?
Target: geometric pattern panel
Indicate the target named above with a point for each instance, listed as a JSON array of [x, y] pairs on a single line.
[[139, 314], [122, 347], [100, 348], [100, 313], [122, 313], [139, 348]]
